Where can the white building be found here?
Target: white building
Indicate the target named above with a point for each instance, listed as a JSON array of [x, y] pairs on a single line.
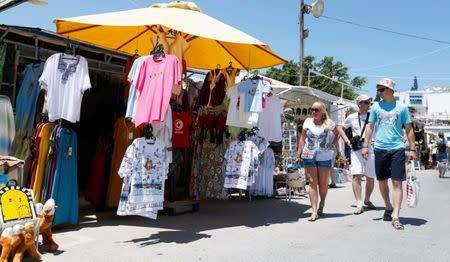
[[431, 104], [432, 107]]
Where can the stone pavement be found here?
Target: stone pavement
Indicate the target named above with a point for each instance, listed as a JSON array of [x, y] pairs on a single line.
[[269, 230]]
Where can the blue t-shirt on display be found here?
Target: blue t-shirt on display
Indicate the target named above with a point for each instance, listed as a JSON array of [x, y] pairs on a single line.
[[388, 119], [254, 91]]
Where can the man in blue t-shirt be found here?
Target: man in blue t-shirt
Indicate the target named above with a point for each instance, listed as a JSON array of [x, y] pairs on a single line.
[[388, 117]]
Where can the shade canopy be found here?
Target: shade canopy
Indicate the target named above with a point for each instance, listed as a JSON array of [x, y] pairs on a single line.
[[213, 44]]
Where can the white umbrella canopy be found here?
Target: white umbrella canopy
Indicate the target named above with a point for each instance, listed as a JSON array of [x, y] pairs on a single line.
[[213, 44]]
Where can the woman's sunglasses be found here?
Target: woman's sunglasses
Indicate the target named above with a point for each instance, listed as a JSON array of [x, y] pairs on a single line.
[[381, 90], [315, 110]]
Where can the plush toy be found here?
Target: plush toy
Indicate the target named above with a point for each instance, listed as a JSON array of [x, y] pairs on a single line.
[[46, 214], [9, 240], [27, 243]]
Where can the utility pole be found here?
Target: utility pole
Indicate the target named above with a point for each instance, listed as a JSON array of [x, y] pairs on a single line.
[[302, 38]]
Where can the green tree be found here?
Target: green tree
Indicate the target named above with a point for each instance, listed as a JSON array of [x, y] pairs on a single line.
[[415, 85], [288, 73]]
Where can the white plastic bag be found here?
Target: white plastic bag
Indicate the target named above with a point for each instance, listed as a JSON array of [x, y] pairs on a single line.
[[412, 189]]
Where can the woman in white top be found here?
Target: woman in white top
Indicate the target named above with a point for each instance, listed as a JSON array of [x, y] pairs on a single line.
[[316, 148]]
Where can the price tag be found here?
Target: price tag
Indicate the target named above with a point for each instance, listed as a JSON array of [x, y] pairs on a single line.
[[70, 151]]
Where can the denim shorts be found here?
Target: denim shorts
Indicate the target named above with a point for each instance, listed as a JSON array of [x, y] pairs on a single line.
[[390, 164], [316, 164]]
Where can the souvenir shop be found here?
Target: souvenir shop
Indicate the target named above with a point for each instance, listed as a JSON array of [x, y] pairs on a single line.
[[132, 133]]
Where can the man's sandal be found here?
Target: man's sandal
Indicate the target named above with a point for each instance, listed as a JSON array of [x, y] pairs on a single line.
[[320, 211], [370, 205], [387, 216], [397, 225]]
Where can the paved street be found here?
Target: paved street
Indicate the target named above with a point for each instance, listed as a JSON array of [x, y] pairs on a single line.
[[269, 230]]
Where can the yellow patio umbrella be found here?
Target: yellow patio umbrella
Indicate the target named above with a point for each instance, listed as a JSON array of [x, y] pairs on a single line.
[[213, 44]]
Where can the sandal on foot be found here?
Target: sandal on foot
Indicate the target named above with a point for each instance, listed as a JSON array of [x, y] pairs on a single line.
[[358, 211], [397, 225], [313, 218], [370, 205], [320, 211], [387, 216]]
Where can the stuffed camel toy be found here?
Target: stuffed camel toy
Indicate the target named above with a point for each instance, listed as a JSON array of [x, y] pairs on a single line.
[[17, 241], [46, 214]]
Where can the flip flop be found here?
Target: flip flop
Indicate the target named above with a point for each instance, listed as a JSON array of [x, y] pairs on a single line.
[[397, 225], [387, 216]]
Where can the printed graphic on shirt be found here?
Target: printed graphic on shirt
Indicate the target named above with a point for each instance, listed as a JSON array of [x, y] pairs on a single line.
[[178, 126], [388, 118], [315, 141]]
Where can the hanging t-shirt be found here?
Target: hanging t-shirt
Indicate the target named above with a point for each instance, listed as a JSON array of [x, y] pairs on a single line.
[[132, 79], [177, 48], [65, 78], [253, 91], [236, 115], [145, 164], [239, 156], [155, 82], [181, 123], [318, 139], [163, 131], [269, 122]]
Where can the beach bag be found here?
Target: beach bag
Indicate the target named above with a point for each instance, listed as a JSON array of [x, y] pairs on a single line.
[[412, 189], [308, 153]]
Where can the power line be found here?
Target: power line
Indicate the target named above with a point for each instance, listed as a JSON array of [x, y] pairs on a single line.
[[133, 3], [402, 61], [386, 30]]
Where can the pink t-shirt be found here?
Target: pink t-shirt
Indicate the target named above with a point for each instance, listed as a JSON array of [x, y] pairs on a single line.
[[154, 83]]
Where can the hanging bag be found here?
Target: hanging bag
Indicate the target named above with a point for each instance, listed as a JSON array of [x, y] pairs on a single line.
[[412, 188], [357, 141]]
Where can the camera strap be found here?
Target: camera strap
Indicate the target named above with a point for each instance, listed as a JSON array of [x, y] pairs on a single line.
[[365, 123]]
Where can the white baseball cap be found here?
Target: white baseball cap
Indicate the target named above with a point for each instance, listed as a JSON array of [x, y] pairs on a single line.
[[363, 98]]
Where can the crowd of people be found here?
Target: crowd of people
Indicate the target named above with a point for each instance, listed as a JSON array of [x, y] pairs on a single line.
[[378, 150]]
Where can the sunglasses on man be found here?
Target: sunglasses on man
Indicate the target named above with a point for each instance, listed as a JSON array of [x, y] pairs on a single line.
[[381, 90], [365, 102]]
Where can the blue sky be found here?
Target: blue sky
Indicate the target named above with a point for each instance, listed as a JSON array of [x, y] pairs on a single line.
[[366, 52]]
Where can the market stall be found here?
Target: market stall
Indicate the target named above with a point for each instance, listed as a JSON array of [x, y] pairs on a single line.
[[188, 126]]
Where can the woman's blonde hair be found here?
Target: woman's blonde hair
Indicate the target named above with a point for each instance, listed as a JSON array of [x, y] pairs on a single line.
[[323, 109]]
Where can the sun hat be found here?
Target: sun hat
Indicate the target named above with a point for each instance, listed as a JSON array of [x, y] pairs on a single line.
[[363, 98], [387, 82]]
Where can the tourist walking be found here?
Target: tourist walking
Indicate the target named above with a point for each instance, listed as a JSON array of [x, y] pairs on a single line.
[[387, 117], [360, 167], [316, 149], [441, 154]]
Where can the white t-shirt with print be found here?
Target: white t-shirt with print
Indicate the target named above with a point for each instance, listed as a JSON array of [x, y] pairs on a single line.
[[64, 97], [236, 116], [357, 126], [352, 122], [240, 156], [317, 139], [269, 122]]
